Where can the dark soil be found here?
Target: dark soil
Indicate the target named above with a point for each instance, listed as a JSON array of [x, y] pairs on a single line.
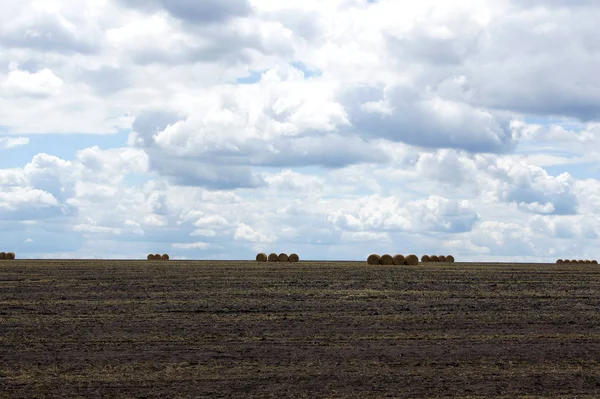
[[195, 329]]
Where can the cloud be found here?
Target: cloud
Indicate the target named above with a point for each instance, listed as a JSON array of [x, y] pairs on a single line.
[[389, 214], [247, 233], [532, 188], [42, 83], [208, 11], [47, 30], [12, 142], [194, 245], [332, 129]]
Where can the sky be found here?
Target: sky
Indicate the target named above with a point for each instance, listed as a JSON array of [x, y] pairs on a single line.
[[217, 129]]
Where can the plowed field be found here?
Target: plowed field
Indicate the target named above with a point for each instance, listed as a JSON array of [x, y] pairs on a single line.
[[199, 329]]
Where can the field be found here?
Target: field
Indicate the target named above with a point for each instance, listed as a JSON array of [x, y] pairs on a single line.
[[192, 329]]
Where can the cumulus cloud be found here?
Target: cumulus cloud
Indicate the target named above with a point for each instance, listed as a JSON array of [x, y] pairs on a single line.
[[532, 188], [389, 214], [42, 83], [331, 127], [403, 114]]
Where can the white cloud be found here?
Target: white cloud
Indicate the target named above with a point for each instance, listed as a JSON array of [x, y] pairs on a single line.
[[12, 142], [247, 233], [390, 214], [194, 245], [42, 83], [331, 127]]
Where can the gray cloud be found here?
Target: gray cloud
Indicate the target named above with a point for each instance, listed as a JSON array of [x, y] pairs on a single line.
[[404, 115], [193, 11], [188, 172], [149, 123], [45, 33], [107, 80]]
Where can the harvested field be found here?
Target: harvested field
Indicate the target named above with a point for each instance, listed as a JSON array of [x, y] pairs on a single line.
[[189, 329]]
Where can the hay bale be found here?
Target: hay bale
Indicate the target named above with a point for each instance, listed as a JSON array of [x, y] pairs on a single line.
[[594, 262], [581, 261], [150, 257], [293, 258], [10, 256], [373, 259], [411, 260], [443, 259], [2, 255], [261, 257], [425, 259], [399, 259], [273, 257], [386, 260], [559, 261], [449, 259], [434, 258], [157, 257], [165, 257], [283, 257], [587, 262]]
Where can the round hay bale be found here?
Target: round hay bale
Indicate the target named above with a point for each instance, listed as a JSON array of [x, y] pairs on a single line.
[[165, 257], [10, 256], [283, 257], [425, 259], [273, 257], [559, 261], [373, 259], [386, 260], [450, 259], [293, 258], [443, 259], [150, 257], [2, 255], [411, 260], [157, 257], [567, 261], [581, 261], [399, 259], [434, 258], [594, 262], [261, 257], [587, 262]]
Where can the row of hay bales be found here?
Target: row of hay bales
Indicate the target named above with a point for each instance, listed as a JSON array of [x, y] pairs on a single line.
[[375, 259], [437, 259], [273, 257], [158, 257], [7, 256], [589, 262], [399, 259]]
